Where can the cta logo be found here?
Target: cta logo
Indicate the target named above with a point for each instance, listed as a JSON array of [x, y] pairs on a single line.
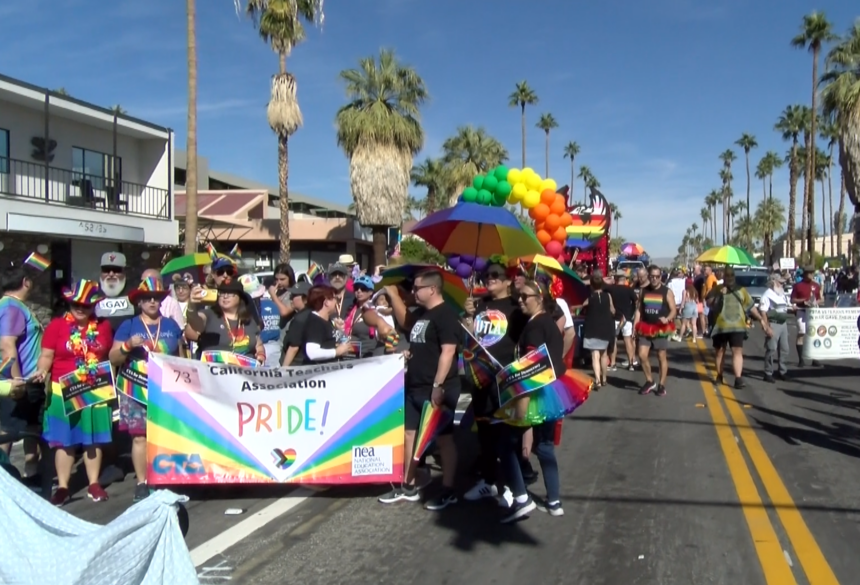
[[178, 464], [284, 459]]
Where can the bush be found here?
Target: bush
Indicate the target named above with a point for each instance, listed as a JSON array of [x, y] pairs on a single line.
[[416, 251]]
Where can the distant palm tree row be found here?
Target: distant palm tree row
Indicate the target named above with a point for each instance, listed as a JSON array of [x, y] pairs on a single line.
[[832, 121]]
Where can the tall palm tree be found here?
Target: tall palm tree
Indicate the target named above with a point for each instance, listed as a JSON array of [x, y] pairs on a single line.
[[762, 172], [471, 151], [592, 183], [713, 199], [774, 162], [546, 122], [727, 157], [191, 132], [380, 131], [616, 216], [814, 32], [841, 101], [802, 158], [571, 151], [585, 175], [279, 23], [830, 133], [822, 164], [769, 220], [118, 109], [432, 175], [705, 214], [747, 142], [790, 125], [523, 96]]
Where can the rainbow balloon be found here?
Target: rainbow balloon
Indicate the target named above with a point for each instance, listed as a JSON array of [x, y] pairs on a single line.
[[433, 420]]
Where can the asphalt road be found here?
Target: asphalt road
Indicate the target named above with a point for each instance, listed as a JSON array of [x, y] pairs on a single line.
[[705, 485]]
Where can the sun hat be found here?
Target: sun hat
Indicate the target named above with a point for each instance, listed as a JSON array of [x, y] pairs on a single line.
[[83, 292], [252, 286], [150, 288], [346, 259], [364, 281]]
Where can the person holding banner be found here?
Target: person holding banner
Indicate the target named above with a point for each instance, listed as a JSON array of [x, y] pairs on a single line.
[[362, 324], [136, 338], [319, 338], [292, 355], [228, 325], [76, 343], [804, 295]]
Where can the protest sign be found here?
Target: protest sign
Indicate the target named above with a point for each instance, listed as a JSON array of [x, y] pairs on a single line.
[[832, 334], [338, 423], [131, 380], [531, 372], [81, 390]]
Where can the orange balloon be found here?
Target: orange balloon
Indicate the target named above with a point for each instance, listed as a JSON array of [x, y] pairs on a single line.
[[543, 237], [540, 211], [566, 220], [539, 225], [552, 222], [558, 207], [560, 235], [548, 196]]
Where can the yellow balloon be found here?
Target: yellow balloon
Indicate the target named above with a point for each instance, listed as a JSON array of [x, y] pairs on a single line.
[[548, 184], [533, 182], [514, 176], [528, 171], [532, 199], [519, 191], [512, 200]]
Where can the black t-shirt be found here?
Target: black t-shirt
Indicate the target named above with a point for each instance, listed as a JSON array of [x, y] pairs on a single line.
[[345, 306], [295, 333], [433, 328], [317, 330], [498, 324], [624, 298], [543, 330]]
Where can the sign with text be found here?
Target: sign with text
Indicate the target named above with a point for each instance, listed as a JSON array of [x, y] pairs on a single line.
[[531, 372], [212, 423], [132, 380], [81, 390], [832, 334]]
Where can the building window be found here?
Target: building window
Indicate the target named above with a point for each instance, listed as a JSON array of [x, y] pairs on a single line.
[[4, 151], [179, 177], [96, 167]]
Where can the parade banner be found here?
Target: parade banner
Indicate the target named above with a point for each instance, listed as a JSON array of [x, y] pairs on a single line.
[[832, 334], [338, 423], [531, 372], [79, 390]]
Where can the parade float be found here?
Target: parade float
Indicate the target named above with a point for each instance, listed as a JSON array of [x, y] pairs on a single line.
[[587, 238]]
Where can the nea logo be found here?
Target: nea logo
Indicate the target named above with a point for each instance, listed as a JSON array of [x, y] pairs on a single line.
[[363, 452], [178, 464]]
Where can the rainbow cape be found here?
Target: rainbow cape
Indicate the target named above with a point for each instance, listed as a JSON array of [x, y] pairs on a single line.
[[433, 420]]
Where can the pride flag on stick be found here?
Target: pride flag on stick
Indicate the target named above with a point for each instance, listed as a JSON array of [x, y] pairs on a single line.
[[6, 368], [433, 420], [531, 372]]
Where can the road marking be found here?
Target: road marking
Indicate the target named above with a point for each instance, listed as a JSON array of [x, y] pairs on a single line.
[[217, 545], [815, 565], [788, 558], [765, 541]]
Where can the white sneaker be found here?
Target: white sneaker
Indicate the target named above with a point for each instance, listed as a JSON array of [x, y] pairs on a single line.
[[506, 498], [481, 490]]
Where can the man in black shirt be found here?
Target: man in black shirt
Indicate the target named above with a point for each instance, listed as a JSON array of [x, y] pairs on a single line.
[[624, 299], [293, 340], [431, 374]]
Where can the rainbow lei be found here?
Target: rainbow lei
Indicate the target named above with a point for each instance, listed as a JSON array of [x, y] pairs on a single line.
[[86, 360]]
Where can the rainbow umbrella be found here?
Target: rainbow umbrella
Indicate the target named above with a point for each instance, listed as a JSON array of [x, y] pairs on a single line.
[[728, 255], [432, 421], [188, 267], [478, 230], [632, 249], [455, 290]]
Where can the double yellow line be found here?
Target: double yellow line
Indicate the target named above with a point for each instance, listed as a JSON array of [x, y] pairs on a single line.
[[771, 554]]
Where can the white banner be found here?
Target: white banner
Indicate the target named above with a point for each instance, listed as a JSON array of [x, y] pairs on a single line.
[[832, 334]]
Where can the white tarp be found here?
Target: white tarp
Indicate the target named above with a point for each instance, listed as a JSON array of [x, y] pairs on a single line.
[[43, 544]]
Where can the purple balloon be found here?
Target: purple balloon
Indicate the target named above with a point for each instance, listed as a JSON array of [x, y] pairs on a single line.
[[480, 264], [467, 258], [463, 271], [454, 261]]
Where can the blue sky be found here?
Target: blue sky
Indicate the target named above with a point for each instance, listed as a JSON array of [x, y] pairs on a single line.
[[652, 91]]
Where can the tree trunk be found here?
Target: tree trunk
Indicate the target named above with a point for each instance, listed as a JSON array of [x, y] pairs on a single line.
[[747, 156], [804, 217], [523, 119], [829, 216], [191, 136], [792, 197], [810, 164], [823, 221], [283, 181], [764, 189], [841, 221], [546, 148], [572, 177], [380, 244]]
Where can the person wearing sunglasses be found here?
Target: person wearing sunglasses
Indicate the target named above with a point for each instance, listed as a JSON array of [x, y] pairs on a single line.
[[362, 323], [654, 324]]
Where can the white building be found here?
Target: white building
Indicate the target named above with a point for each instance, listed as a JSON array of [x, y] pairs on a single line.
[[101, 181]]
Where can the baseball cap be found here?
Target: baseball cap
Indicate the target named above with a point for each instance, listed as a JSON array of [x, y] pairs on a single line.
[[301, 288], [113, 259], [364, 281], [338, 268]]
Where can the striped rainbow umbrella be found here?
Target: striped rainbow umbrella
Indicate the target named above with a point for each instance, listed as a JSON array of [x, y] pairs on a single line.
[[728, 255], [632, 249]]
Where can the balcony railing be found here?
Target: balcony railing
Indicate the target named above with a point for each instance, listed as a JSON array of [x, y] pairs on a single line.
[[25, 179]]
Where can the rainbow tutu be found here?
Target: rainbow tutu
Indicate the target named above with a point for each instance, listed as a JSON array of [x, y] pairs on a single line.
[[653, 330], [552, 402]]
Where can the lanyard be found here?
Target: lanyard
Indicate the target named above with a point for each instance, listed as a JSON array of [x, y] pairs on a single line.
[[153, 340], [240, 331]]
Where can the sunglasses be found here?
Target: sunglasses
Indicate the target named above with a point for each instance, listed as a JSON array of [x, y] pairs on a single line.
[[150, 300], [655, 276], [224, 272], [525, 296], [493, 275], [362, 289], [79, 307], [339, 275], [111, 270]]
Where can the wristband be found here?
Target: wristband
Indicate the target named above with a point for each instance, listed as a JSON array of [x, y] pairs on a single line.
[[125, 348]]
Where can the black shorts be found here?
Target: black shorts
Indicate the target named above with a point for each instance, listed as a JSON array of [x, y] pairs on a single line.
[[416, 397], [734, 339]]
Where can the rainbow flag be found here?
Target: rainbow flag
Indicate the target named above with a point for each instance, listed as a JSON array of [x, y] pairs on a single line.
[[478, 364], [37, 261], [80, 392], [228, 358], [531, 372], [235, 251], [6, 368], [133, 381], [314, 270], [433, 420], [213, 253]]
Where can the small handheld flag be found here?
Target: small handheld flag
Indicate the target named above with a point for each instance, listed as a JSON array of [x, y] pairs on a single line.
[[6, 368], [314, 270], [235, 251], [433, 420], [37, 261], [213, 253]]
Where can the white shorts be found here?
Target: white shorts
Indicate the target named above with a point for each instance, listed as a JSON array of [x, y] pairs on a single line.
[[801, 322], [627, 330]]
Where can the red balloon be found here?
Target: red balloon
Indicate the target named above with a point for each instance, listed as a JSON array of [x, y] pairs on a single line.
[[553, 248]]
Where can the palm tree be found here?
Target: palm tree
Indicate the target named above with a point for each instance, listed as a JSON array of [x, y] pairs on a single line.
[[592, 183], [585, 175], [762, 172], [571, 150], [61, 91], [380, 131], [546, 122], [790, 125], [471, 151], [118, 109], [523, 96], [822, 164], [712, 200], [727, 157], [616, 216], [432, 175], [769, 220], [830, 133], [705, 214], [747, 142], [841, 101], [802, 157], [814, 32], [191, 133], [774, 162], [279, 23]]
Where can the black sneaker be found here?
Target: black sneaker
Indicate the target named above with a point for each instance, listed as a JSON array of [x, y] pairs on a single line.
[[661, 390], [141, 492], [739, 383], [719, 380], [442, 501], [553, 509], [781, 376], [400, 494], [518, 510], [769, 379], [647, 388]]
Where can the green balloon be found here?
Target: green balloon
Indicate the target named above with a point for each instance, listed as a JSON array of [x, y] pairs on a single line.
[[503, 188], [484, 197], [478, 182], [501, 173], [470, 194], [499, 199], [490, 182]]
